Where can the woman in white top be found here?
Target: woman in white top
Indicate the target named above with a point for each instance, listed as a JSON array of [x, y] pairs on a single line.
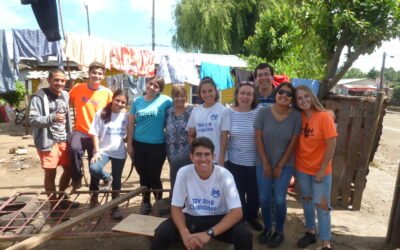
[[242, 150], [210, 119], [109, 130]]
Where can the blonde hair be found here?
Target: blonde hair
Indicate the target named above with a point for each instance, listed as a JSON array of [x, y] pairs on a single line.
[[178, 90], [315, 104], [160, 81]]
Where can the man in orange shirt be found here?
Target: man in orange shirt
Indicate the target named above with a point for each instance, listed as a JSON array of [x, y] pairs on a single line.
[[87, 98]]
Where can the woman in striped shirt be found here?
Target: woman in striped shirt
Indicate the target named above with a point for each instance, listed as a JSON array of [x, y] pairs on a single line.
[[242, 150]]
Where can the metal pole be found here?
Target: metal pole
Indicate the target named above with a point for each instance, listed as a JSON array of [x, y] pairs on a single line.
[[382, 71], [153, 35], [87, 17]]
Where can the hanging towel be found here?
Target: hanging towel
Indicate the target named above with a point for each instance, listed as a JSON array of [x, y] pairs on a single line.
[[132, 61], [33, 43], [6, 77], [84, 50], [177, 68], [312, 84], [220, 74], [242, 75], [47, 17], [278, 79]]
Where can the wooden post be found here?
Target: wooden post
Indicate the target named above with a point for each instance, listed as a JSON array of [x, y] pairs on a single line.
[[393, 232], [59, 229]]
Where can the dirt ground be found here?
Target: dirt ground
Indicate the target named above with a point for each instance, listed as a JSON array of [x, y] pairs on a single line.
[[364, 229]]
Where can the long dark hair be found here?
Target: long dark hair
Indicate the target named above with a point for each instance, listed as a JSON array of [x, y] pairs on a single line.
[[106, 112], [208, 80]]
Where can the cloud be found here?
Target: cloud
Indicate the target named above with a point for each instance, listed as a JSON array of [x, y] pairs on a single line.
[[9, 17], [163, 8]]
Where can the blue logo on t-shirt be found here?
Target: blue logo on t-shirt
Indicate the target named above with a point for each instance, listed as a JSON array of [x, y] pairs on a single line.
[[215, 193], [124, 123], [214, 117]]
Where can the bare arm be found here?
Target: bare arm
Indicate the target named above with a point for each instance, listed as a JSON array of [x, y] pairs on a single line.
[[96, 149], [222, 150], [130, 134], [285, 157], [261, 151], [191, 135], [179, 220], [330, 150]]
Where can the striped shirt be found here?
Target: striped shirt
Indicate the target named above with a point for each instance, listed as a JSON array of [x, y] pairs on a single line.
[[241, 143]]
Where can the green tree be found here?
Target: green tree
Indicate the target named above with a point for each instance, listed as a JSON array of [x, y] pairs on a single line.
[[395, 101], [14, 97], [354, 73], [373, 73]]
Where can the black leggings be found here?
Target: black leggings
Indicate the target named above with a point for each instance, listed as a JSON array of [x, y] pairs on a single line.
[[149, 159]]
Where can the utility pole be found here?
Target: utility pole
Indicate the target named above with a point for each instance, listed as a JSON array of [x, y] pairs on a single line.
[[382, 71], [87, 17], [153, 32]]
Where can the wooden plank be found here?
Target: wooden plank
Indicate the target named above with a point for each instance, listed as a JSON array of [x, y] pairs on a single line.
[[393, 232], [139, 224], [65, 226], [370, 131], [338, 165], [353, 152]]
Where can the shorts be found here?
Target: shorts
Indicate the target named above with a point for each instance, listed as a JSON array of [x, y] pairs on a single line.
[[58, 156]]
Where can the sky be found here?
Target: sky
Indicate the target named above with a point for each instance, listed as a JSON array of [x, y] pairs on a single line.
[[129, 22]]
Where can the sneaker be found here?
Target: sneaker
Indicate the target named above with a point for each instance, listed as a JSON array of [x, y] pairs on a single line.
[[264, 237], [276, 240], [116, 214], [64, 204], [307, 240], [94, 202], [145, 208], [107, 185], [255, 224]]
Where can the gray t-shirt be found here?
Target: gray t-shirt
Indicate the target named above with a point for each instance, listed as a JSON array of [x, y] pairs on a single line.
[[277, 134]]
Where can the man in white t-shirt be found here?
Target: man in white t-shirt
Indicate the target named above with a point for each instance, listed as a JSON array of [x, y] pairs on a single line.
[[205, 204]]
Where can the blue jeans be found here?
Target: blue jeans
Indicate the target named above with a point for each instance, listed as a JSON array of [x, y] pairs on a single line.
[[310, 188], [272, 191], [97, 171]]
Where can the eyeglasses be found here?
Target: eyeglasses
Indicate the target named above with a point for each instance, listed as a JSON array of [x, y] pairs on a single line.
[[286, 92], [264, 75]]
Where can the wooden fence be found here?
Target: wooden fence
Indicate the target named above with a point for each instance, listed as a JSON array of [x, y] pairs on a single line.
[[359, 125]]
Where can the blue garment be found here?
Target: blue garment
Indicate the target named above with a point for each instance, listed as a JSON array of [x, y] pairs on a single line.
[[6, 77], [220, 74], [33, 43], [316, 190], [150, 118], [273, 191], [312, 84], [266, 101]]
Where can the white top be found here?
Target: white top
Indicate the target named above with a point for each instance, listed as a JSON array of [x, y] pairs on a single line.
[[111, 135], [215, 196], [209, 122], [241, 143]]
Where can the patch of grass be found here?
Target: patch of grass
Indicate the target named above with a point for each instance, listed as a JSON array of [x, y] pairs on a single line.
[[374, 164]]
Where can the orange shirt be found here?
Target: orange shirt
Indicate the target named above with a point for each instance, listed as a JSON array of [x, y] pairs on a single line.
[[312, 142], [87, 102]]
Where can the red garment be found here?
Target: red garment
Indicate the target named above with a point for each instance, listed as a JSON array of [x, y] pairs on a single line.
[[278, 79], [133, 61]]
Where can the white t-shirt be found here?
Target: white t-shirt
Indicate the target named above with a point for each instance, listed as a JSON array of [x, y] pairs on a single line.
[[209, 122], [111, 135], [215, 196]]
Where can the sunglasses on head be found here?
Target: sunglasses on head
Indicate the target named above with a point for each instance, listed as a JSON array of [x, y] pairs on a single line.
[[246, 83], [285, 92]]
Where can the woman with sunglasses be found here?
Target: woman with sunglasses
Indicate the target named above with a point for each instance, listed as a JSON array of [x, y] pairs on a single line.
[[277, 130], [242, 151], [317, 144]]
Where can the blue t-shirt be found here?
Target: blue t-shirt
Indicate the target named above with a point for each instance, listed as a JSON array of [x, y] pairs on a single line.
[[150, 118]]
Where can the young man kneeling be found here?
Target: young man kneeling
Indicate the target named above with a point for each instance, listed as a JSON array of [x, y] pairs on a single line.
[[205, 204]]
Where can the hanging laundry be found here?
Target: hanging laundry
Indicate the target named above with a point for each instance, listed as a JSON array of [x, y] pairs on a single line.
[[47, 17], [132, 61], [177, 68], [278, 79], [312, 84], [33, 43], [242, 75], [6, 76], [220, 74], [84, 50], [133, 86]]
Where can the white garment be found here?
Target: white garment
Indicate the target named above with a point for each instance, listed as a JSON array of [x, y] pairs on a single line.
[[215, 196], [84, 50], [178, 68], [111, 135], [209, 122]]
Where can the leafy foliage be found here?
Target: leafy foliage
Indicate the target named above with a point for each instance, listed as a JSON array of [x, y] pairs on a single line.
[[14, 97], [395, 101], [354, 73]]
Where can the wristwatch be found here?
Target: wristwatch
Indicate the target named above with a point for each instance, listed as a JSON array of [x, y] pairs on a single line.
[[210, 232]]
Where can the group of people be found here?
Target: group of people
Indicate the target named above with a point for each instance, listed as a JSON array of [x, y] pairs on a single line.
[[225, 162]]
